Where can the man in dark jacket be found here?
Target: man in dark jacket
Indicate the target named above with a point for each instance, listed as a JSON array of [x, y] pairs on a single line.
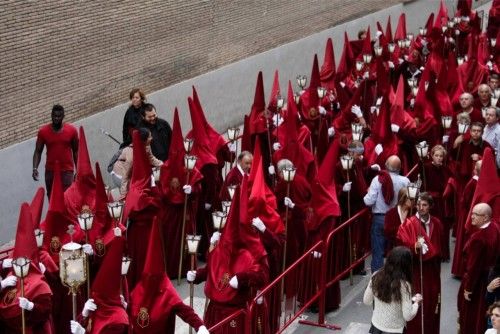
[[160, 130]]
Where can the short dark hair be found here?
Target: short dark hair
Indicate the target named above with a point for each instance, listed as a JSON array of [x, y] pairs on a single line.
[[494, 76], [147, 107], [137, 90], [243, 154], [144, 134], [478, 124], [425, 196], [57, 107]]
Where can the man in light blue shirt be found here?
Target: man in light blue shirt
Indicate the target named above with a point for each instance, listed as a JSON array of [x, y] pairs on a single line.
[[380, 205]]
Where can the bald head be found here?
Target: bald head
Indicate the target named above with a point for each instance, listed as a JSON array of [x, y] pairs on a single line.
[[393, 164], [481, 214]]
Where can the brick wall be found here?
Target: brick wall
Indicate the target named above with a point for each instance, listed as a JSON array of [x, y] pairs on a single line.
[[87, 55]]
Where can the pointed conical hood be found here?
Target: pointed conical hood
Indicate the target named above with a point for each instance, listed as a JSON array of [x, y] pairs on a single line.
[[105, 288], [388, 30], [261, 201], [397, 108], [442, 16], [248, 236], [84, 166], [327, 73], [291, 116], [139, 198], [102, 220], [246, 142], [401, 28], [215, 140], [56, 203], [154, 266], [56, 222], [275, 91], [257, 119], [25, 245], [81, 192], [324, 200], [141, 167], [464, 7], [343, 122], [310, 100], [346, 60], [106, 291], [488, 187], [174, 167], [201, 147], [429, 23], [36, 206], [367, 44]]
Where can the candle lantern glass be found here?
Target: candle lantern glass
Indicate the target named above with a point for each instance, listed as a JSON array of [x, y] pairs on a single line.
[[125, 264], [192, 242], [190, 161], [39, 237], [346, 161], [188, 144], [21, 266]]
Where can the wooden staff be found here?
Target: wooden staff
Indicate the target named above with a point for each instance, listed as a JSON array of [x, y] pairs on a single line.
[[179, 273]]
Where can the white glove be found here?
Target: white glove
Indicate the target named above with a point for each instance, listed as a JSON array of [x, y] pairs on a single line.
[[88, 307], [232, 147], [446, 138], [342, 84], [289, 203], [87, 249], [215, 237], [379, 33], [124, 303], [401, 60], [451, 40], [259, 224], [271, 170], [191, 275], [42, 267], [379, 149], [277, 120], [391, 64], [375, 167], [259, 300], [7, 263], [276, 146], [117, 232], [374, 109], [8, 281], [25, 304], [187, 189], [234, 282], [394, 128], [331, 131], [76, 328], [322, 111], [316, 255], [405, 57], [347, 186], [423, 245], [412, 102], [356, 110], [208, 206], [366, 75], [202, 330]]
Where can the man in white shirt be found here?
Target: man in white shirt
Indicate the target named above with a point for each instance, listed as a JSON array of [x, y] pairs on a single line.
[[380, 204], [491, 132]]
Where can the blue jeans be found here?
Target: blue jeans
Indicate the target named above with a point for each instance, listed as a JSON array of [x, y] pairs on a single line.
[[378, 242]]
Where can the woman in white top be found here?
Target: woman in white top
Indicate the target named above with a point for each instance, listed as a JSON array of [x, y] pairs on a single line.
[[389, 291], [494, 312]]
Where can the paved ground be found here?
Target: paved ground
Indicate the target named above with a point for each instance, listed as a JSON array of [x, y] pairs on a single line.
[[353, 316]]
